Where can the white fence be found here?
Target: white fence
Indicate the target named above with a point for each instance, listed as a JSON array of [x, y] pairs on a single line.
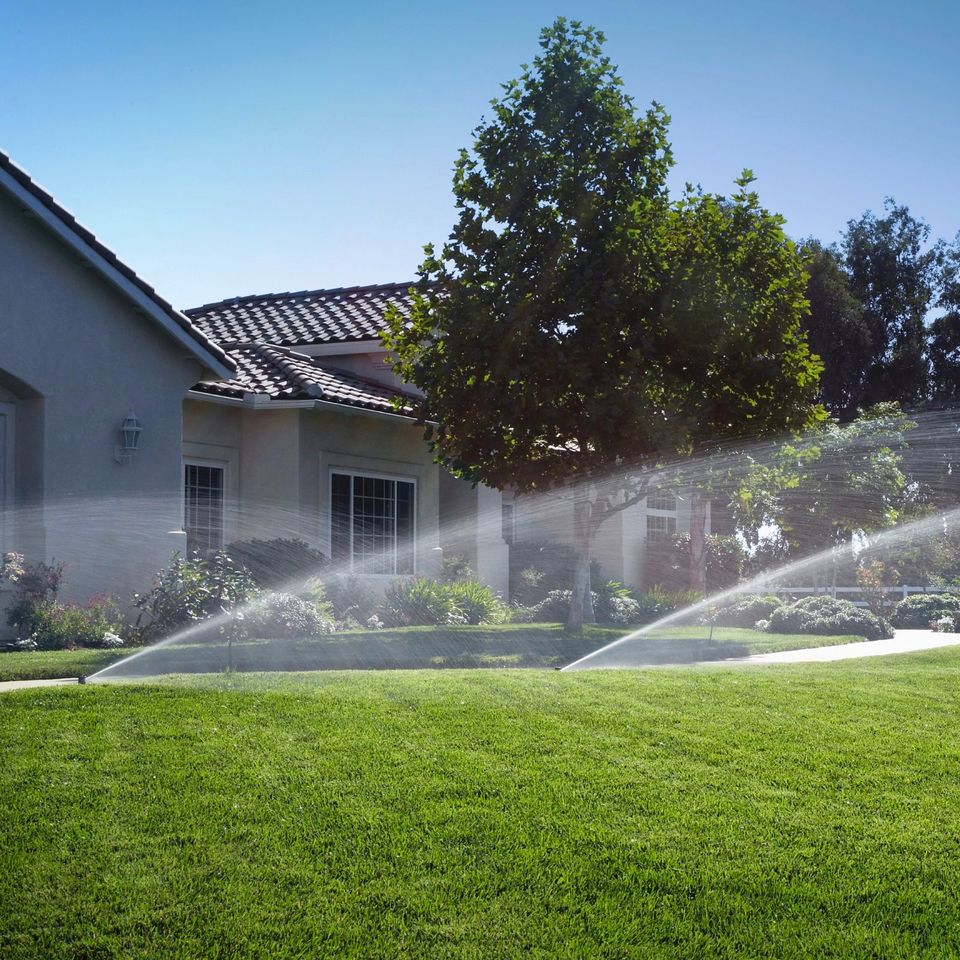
[[847, 593]]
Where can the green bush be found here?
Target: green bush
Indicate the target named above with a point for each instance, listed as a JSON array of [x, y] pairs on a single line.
[[282, 615], [190, 591], [64, 626], [352, 601], [36, 585], [477, 603], [541, 568], [824, 615], [745, 611], [278, 564], [917, 611], [418, 603]]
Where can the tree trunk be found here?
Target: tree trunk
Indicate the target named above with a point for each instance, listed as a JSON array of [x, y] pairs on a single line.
[[581, 603], [698, 525]]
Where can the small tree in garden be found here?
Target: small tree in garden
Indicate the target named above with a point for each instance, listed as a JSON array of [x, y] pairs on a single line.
[[577, 329]]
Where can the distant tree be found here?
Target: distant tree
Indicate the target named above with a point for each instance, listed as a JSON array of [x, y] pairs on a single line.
[[836, 330], [893, 272], [835, 482], [577, 328], [944, 331]]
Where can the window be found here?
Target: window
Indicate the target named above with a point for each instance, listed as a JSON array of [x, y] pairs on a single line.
[[659, 528], [662, 500], [203, 507], [372, 523]]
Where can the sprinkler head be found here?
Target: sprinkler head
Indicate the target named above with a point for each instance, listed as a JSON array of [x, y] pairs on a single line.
[[81, 679]]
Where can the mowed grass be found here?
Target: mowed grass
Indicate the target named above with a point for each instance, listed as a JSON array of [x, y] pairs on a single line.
[[803, 811], [508, 645]]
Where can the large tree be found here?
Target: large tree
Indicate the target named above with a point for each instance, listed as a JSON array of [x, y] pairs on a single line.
[[893, 271], [836, 329], [577, 328]]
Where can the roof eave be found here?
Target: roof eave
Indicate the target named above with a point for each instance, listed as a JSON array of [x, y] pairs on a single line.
[[110, 273]]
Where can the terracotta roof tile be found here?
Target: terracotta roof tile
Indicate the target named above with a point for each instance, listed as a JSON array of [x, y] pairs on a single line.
[[341, 315], [281, 374]]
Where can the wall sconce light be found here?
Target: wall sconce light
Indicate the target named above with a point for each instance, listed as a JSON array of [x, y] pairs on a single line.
[[130, 431]]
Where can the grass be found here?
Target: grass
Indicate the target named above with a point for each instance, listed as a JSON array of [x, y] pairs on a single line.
[[508, 645], [803, 811], [53, 664]]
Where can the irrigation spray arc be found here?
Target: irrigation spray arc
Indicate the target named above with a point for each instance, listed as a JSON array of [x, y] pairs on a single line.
[[616, 654], [90, 529]]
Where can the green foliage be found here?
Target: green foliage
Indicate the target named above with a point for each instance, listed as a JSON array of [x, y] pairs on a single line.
[[35, 583], [419, 601], [836, 329], [539, 568], [279, 563], [745, 611], [825, 615], [59, 626], [668, 562], [189, 591], [568, 267], [916, 612], [477, 602], [352, 601], [829, 484], [279, 615], [893, 272]]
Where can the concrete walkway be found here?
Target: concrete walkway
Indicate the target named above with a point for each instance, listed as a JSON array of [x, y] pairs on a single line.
[[29, 684], [905, 641]]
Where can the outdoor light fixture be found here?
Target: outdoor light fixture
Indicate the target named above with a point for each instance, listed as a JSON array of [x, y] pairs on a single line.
[[130, 431]]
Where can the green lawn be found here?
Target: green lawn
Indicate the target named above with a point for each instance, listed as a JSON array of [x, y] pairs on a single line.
[[510, 645], [803, 811]]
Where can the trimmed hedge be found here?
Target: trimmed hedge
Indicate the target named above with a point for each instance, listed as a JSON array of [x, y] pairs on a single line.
[[916, 612], [824, 615]]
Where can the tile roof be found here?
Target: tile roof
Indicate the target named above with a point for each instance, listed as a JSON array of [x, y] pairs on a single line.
[[26, 182], [282, 374], [341, 315]]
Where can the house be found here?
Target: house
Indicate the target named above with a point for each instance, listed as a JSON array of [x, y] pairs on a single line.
[[314, 438], [84, 344], [129, 429]]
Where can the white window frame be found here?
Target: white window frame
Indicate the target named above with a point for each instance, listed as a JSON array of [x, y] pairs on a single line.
[[215, 464], [664, 511], [352, 472], [665, 516]]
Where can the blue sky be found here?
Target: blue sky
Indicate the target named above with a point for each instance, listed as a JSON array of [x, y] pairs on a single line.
[[252, 147]]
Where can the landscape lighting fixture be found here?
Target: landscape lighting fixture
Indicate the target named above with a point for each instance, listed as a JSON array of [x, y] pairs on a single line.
[[130, 431]]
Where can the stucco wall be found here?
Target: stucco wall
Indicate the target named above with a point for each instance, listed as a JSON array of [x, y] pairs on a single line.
[[279, 463], [79, 357]]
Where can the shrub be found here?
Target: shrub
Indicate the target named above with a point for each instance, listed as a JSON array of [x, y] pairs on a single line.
[[825, 615], [279, 563], [419, 602], [58, 626], [36, 584], [477, 602], [189, 591], [351, 600], [538, 569], [456, 568], [277, 615], [916, 612], [745, 611]]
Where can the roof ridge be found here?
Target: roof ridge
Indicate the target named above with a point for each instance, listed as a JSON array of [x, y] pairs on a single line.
[[301, 294]]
